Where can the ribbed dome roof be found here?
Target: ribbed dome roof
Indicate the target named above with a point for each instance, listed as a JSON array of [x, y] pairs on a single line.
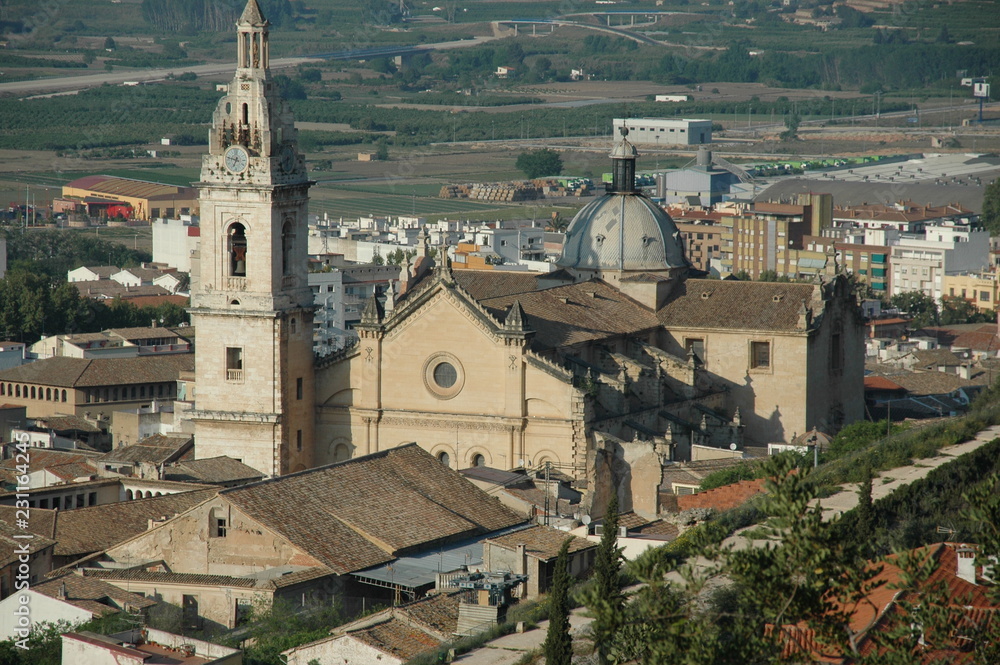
[[651, 239]]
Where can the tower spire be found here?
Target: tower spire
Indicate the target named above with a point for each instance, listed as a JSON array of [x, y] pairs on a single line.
[[252, 14], [254, 49]]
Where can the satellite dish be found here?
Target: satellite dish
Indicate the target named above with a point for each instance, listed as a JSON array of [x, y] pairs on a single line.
[[732, 446], [585, 519]]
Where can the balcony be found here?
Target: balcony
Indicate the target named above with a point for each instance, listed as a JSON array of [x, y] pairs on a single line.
[[236, 283], [234, 375]]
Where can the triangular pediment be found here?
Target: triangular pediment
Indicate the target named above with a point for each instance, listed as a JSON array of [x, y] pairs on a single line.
[[440, 289]]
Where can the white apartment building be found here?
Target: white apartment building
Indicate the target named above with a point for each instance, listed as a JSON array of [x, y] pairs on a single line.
[[175, 241], [920, 263]]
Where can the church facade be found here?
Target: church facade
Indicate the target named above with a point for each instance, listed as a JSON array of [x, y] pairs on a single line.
[[602, 370]]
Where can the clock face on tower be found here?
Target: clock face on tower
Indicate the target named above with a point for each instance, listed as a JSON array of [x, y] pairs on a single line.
[[237, 159]]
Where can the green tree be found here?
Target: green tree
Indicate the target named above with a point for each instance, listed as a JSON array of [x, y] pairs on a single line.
[[956, 309], [605, 598], [538, 163], [791, 132], [918, 305], [864, 533], [558, 646], [990, 217]]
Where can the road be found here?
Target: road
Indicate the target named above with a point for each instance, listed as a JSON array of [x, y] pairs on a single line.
[[118, 76]]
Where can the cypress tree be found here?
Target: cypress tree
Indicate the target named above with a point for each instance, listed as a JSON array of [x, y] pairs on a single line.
[[865, 529], [606, 599], [558, 647]]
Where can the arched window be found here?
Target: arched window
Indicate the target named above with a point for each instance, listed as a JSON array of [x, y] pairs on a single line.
[[287, 241], [246, 114], [237, 250], [341, 452], [3, 388], [444, 458], [64, 396], [478, 460], [48, 394], [32, 392], [128, 495], [18, 391]]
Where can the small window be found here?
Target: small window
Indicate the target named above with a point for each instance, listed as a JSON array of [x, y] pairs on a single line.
[[445, 375], [298, 388], [444, 458], [836, 353], [92, 499], [220, 527], [760, 355], [298, 440], [697, 347], [478, 460], [234, 363]]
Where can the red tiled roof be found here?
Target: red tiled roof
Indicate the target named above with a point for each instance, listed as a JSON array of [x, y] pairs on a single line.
[[722, 498], [875, 382]]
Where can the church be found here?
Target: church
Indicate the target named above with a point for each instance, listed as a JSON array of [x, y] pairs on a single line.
[[603, 370]]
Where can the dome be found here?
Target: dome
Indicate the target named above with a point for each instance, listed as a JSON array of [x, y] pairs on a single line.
[[651, 239]]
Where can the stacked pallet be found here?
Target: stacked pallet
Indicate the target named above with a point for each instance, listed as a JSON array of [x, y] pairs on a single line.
[[502, 192]]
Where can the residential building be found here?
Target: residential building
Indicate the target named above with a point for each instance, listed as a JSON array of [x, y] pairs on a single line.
[[92, 387], [69, 599], [702, 242], [22, 559], [870, 263], [665, 131], [921, 263], [390, 637], [532, 552], [770, 237], [175, 241], [117, 343], [310, 540], [81, 532], [903, 216], [146, 458], [980, 288], [144, 646]]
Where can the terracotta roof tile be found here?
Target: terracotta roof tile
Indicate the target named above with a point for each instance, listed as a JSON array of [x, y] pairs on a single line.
[[486, 284], [156, 449], [705, 303], [542, 542], [437, 612], [220, 469], [722, 498], [82, 372], [401, 500], [396, 638], [86, 530], [575, 313], [91, 594]]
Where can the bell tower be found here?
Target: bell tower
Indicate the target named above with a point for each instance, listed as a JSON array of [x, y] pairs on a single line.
[[252, 307]]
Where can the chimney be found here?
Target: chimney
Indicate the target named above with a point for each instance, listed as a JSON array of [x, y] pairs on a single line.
[[964, 371], [522, 559], [62, 595], [966, 568]]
